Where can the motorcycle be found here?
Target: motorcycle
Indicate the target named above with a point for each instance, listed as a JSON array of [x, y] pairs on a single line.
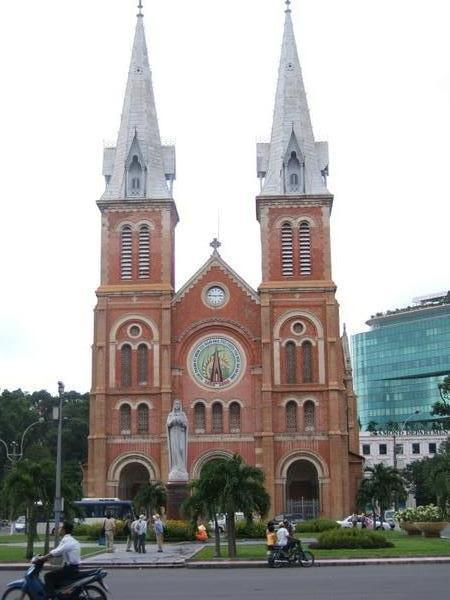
[[294, 555], [87, 585]]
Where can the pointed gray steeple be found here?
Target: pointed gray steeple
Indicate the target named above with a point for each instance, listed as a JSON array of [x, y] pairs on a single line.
[[293, 163], [139, 166]]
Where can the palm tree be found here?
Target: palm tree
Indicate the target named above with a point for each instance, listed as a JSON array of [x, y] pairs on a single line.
[[23, 489], [150, 497], [383, 486], [204, 500]]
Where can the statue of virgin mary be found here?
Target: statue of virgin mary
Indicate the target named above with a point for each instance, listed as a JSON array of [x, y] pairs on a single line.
[[177, 430]]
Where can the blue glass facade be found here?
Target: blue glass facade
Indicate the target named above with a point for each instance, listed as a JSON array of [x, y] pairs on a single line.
[[398, 365]]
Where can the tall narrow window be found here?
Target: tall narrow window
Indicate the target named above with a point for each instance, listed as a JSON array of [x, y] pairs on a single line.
[[235, 417], [142, 415], [125, 365], [305, 248], [294, 169], [291, 416], [144, 252], [199, 418], [142, 366], [217, 418], [126, 252], [307, 362], [287, 250], [125, 419], [135, 177], [309, 415], [291, 362]]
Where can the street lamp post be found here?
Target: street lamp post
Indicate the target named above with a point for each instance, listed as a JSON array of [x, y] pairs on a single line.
[[58, 499]]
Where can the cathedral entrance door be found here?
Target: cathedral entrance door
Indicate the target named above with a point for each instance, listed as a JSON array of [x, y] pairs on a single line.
[[132, 476], [302, 490]]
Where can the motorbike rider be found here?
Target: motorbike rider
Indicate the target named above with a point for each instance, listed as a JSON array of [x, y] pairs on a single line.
[[69, 549], [282, 536]]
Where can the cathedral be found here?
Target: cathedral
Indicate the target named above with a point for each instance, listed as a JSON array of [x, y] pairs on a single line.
[[264, 373]]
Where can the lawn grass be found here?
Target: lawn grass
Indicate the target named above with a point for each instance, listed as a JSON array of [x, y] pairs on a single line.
[[403, 546], [17, 554], [21, 537]]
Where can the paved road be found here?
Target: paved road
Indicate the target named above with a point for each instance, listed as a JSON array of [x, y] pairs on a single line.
[[331, 583]]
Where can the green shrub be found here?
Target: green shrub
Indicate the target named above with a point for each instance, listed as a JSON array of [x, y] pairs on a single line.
[[351, 538], [316, 525], [92, 532], [176, 531], [255, 530]]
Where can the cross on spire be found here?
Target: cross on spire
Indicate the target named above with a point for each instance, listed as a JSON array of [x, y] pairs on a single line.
[[215, 244], [140, 7], [288, 6]]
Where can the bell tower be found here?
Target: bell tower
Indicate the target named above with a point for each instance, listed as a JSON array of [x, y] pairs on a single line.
[[131, 351], [304, 392]]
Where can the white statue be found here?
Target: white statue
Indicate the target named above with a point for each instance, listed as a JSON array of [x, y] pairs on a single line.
[[177, 430]]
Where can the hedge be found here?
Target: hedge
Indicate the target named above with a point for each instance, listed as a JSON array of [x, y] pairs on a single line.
[[174, 531], [351, 538], [316, 525], [251, 530]]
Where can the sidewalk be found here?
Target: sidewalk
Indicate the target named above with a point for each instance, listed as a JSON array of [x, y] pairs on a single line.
[[173, 555]]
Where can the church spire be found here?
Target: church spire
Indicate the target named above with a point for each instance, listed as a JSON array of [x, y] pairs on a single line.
[[138, 167], [293, 163]]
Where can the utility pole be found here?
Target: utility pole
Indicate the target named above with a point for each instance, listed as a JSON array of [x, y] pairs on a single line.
[[58, 499]]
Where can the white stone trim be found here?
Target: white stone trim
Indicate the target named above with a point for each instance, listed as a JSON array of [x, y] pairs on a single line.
[[115, 468], [208, 456], [308, 455]]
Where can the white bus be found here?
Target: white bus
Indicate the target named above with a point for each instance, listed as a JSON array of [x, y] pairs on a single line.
[[94, 510]]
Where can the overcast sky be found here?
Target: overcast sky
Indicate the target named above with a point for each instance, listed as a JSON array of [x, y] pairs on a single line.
[[377, 73]]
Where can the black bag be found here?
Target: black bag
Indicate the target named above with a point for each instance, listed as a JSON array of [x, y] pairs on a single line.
[[102, 531]]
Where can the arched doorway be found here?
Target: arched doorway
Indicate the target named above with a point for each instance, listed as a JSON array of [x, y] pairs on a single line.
[[132, 476], [302, 490]]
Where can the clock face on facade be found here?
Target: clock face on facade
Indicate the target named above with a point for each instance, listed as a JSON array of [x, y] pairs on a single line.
[[215, 296], [216, 362]]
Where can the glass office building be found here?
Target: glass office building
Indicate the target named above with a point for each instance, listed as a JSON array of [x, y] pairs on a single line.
[[398, 364]]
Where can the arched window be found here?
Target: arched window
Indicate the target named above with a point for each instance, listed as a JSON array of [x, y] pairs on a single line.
[[142, 364], [291, 416], [235, 417], [135, 177], [199, 418], [307, 362], [126, 252], [217, 418], [309, 415], [125, 419], [144, 252], [142, 416], [287, 250], [305, 248], [125, 365], [291, 362], [294, 171]]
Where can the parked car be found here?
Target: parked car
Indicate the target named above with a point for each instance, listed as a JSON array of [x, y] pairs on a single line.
[[222, 521], [20, 524], [347, 523], [389, 517]]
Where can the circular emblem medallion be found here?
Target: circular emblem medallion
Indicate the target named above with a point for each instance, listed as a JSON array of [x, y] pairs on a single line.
[[216, 362]]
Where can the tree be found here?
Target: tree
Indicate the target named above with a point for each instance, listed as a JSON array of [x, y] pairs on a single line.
[[204, 501], [441, 408], [383, 486], [150, 497], [372, 426]]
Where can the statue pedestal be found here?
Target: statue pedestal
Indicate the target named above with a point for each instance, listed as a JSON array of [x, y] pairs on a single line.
[[177, 492]]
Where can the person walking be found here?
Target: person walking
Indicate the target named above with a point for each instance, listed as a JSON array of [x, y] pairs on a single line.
[[158, 528], [141, 529], [109, 525], [128, 532]]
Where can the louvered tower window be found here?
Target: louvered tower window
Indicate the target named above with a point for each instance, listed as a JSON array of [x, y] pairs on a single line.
[[217, 418], [126, 253], [287, 250], [307, 362], [142, 415], [291, 362], [125, 365], [125, 419], [305, 249], [144, 252], [199, 417], [309, 415], [142, 364], [235, 417], [291, 416]]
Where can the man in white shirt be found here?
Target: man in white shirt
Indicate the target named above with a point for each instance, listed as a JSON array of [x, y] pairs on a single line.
[[69, 549], [282, 536], [141, 529]]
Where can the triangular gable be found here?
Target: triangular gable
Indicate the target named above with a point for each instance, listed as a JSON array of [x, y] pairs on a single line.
[[216, 260]]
